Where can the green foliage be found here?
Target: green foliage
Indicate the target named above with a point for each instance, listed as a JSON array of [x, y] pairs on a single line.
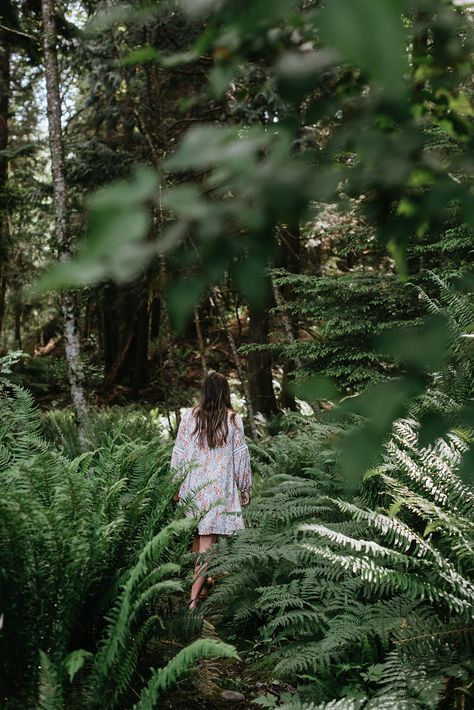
[[345, 315], [114, 248], [365, 601], [162, 679], [90, 560], [104, 428], [381, 103]]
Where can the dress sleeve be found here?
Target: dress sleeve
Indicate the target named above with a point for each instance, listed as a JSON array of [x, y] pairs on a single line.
[[242, 470], [181, 449]]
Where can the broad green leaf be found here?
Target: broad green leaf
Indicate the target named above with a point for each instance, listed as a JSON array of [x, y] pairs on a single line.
[[422, 348], [250, 278], [141, 186], [370, 33], [315, 388], [197, 8], [125, 13], [206, 146], [298, 72], [220, 77], [115, 246], [141, 56], [182, 296], [186, 200]]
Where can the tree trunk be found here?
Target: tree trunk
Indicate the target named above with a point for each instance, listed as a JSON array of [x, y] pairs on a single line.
[[88, 318], [291, 258], [132, 314], [259, 364], [119, 359], [155, 316], [109, 325], [140, 375], [17, 306], [71, 336], [4, 230], [200, 339], [216, 300], [419, 50]]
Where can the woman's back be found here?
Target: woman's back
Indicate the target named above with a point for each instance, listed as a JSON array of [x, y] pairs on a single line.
[[213, 475], [212, 461]]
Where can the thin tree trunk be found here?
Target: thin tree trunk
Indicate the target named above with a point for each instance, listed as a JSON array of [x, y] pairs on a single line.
[[87, 326], [108, 298], [4, 227], [155, 316], [290, 336], [71, 336], [119, 359], [140, 375], [290, 237], [217, 303], [15, 287], [202, 348], [168, 351], [259, 363]]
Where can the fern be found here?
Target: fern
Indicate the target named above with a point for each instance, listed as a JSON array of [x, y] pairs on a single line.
[[184, 659], [90, 561], [333, 587]]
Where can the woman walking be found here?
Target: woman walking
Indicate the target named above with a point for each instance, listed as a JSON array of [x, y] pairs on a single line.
[[211, 452]]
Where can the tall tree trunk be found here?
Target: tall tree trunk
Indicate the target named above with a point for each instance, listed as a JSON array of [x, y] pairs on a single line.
[[140, 375], [200, 339], [420, 51], [291, 261], [71, 336], [259, 364], [109, 325], [155, 316], [4, 228], [216, 300], [15, 289]]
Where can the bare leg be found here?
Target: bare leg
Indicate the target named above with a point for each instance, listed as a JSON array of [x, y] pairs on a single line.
[[195, 549], [205, 542]]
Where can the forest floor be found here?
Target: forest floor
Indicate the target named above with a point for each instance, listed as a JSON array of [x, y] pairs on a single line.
[[219, 683]]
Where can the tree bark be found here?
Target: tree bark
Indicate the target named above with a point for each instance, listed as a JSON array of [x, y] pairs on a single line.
[[216, 300], [4, 229], [155, 316], [119, 360], [109, 325], [200, 339], [291, 258], [140, 366], [71, 336], [126, 320], [419, 50], [259, 364], [17, 312]]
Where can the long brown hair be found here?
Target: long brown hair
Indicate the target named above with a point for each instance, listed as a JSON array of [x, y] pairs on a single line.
[[211, 411]]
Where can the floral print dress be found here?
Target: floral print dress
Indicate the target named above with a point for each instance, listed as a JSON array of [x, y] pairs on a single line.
[[212, 477]]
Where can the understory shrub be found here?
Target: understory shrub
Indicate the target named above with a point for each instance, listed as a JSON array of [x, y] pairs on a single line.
[[91, 561], [365, 600]]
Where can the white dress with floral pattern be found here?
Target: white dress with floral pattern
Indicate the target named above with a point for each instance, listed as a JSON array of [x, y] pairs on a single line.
[[212, 477]]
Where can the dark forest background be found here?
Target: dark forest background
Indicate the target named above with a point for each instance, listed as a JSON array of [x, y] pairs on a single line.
[[280, 191]]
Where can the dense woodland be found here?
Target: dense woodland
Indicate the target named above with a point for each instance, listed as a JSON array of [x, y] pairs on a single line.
[[280, 191]]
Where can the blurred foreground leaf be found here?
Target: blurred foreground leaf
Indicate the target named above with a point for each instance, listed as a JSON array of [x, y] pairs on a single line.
[[371, 34], [115, 246], [314, 389]]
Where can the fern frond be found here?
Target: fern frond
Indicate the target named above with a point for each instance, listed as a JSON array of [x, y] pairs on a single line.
[[180, 664]]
